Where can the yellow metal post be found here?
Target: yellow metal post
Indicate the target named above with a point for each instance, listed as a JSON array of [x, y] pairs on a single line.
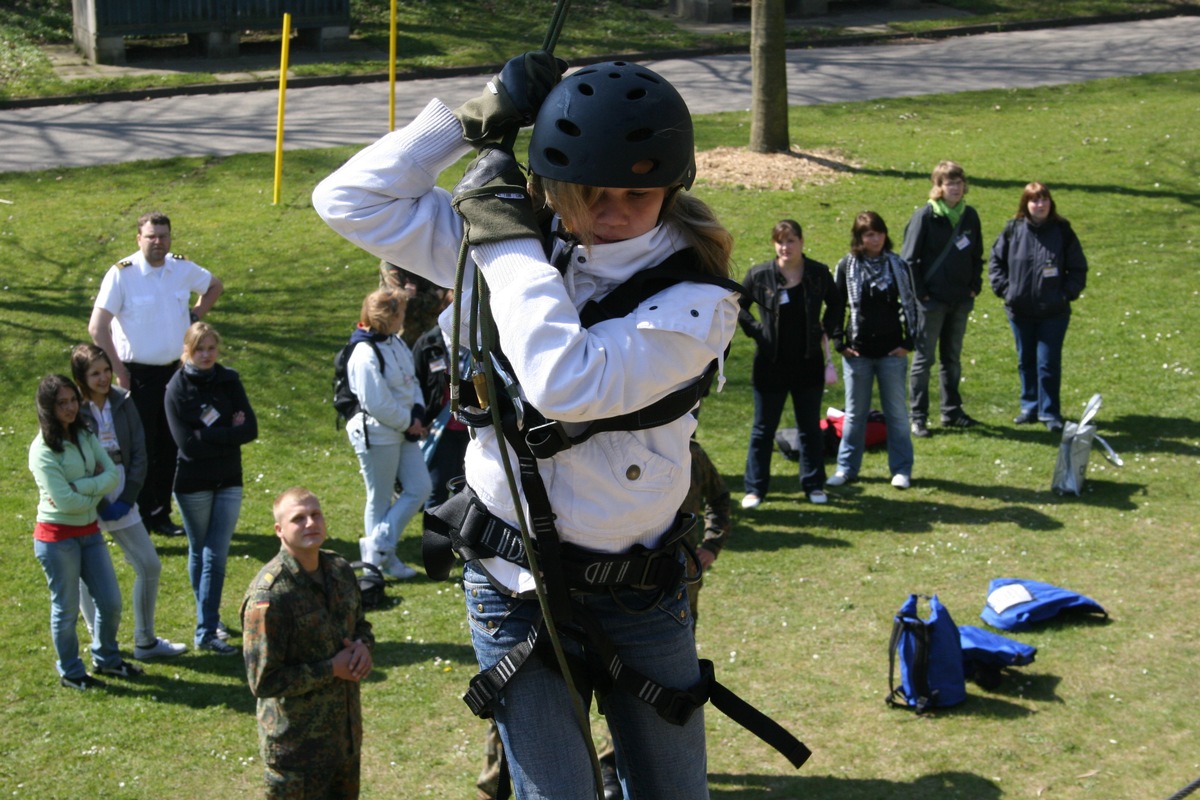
[[283, 69], [392, 72]]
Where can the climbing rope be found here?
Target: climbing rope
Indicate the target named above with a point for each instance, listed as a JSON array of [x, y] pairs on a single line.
[[483, 338]]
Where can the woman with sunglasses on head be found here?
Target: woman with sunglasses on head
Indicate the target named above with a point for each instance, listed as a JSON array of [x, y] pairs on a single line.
[[109, 413]]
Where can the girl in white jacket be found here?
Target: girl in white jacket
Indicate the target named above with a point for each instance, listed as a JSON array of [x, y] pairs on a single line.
[[612, 155], [386, 435]]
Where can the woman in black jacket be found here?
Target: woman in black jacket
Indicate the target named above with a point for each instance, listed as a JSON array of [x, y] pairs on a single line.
[[1038, 268], [210, 419], [790, 291]]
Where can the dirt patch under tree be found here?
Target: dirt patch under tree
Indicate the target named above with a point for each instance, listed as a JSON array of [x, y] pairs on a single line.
[[737, 166]]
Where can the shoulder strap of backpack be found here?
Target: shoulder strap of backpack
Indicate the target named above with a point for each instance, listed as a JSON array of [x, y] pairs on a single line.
[[918, 669]]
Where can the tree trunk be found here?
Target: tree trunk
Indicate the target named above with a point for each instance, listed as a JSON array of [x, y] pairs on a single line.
[[768, 82]]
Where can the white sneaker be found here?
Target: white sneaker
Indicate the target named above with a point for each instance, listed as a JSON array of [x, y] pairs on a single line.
[[839, 478], [751, 501], [817, 496], [901, 481], [399, 570], [160, 649]]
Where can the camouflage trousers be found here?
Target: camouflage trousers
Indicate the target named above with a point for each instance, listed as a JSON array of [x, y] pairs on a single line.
[[327, 782]]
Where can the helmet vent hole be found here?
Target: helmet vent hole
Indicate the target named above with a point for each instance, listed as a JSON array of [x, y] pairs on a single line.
[[586, 89], [635, 94], [556, 157], [567, 127], [639, 135], [645, 166]]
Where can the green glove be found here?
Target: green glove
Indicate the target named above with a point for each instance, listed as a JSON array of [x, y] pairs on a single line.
[[493, 200], [511, 100]]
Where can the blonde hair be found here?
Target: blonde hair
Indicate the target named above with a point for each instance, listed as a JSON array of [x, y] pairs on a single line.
[[381, 308], [196, 333], [691, 217], [292, 494]]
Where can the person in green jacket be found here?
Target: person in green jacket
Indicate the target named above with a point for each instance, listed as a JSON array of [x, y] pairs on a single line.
[[73, 474]]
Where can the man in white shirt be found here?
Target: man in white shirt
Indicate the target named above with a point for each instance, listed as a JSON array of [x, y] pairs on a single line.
[[141, 313]]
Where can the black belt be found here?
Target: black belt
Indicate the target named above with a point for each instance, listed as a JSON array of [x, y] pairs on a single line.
[[151, 369], [463, 525]]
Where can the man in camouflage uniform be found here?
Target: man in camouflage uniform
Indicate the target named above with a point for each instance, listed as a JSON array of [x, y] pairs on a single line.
[[708, 499], [307, 646]]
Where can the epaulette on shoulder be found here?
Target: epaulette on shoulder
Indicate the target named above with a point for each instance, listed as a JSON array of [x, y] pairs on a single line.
[[266, 579], [123, 264]]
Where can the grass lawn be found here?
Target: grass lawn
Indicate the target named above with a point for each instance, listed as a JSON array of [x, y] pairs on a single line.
[[435, 34], [797, 611]]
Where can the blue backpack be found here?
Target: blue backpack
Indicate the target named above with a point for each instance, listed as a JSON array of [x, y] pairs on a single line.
[[930, 655], [1016, 604]]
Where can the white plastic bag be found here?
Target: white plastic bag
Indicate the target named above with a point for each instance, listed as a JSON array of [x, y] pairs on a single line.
[[1075, 449]]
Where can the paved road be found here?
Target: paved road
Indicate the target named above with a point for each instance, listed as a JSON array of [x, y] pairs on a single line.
[[225, 124]]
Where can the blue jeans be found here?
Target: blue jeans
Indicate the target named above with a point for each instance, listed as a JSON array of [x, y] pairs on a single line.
[[944, 325], [209, 519], [548, 756], [1039, 363], [382, 465], [65, 564], [860, 374], [147, 568], [768, 408]]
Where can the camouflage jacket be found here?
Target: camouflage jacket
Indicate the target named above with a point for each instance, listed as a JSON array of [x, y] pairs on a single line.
[[708, 499], [292, 627]]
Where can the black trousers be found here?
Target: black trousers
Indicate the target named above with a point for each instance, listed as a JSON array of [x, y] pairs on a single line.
[[149, 391]]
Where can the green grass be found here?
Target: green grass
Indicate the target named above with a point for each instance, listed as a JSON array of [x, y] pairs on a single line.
[[434, 34], [797, 612]]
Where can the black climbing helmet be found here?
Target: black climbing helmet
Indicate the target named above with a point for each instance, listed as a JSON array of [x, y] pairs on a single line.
[[600, 121]]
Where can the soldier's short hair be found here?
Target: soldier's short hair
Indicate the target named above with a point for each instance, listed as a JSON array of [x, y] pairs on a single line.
[[295, 493]]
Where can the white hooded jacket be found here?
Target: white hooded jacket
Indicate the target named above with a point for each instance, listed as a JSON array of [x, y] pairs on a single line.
[[618, 489]]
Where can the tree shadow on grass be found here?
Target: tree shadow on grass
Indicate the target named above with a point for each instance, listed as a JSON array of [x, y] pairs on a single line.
[[938, 786]]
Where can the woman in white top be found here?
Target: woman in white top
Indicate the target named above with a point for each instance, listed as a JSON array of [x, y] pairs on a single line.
[[386, 434], [109, 412], [612, 154]]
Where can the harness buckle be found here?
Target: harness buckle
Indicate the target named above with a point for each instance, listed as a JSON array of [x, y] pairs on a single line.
[[548, 439], [678, 709]]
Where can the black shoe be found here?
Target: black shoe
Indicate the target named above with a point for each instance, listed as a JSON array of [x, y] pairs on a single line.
[[608, 773], [920, 430], [165, 527], [82, 684], [960, 421], [124, 669], [1025, 418]]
